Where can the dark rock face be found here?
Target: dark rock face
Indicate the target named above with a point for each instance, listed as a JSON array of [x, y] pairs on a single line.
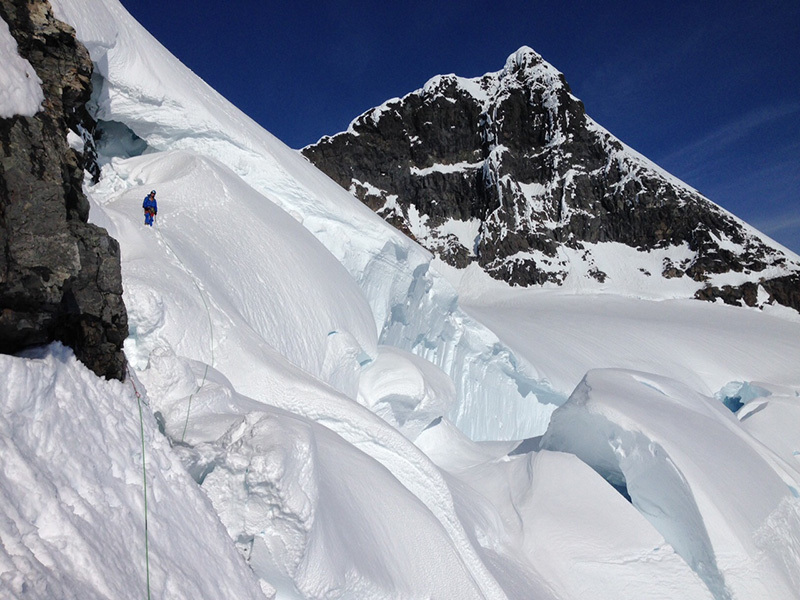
[[59, 275], [508, 171]]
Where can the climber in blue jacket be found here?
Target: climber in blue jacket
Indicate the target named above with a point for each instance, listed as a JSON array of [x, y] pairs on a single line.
[[150, 208]]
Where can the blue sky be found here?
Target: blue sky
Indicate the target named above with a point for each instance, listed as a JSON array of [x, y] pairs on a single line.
[[709, 90]]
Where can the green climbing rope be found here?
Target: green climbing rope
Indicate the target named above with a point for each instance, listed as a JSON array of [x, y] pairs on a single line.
[[210, 328], [144, 480]]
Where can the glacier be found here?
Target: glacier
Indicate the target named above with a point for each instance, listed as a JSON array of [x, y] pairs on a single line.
[[330, 412]]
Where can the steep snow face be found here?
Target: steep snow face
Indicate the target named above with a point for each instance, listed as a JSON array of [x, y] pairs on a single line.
[[163, 106], [258, 280], [72, 523], [651, 435], [530, 509], [20, 87], [507, 171], [190, 322]]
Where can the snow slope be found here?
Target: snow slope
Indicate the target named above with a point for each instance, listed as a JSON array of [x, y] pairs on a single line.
[[320, 393], [138, 83], [205, 311]]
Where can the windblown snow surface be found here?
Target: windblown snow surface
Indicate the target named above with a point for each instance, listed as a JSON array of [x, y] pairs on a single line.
[[322, 419]]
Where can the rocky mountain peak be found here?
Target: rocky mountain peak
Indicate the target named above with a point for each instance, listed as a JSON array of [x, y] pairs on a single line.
[[508, 171], [526, 66]]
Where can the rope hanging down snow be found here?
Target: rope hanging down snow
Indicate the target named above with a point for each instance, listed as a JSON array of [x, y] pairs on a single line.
[[210, 328], [144, 478]]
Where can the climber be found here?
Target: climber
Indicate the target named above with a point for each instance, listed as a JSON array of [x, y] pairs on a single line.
[[150, 208]]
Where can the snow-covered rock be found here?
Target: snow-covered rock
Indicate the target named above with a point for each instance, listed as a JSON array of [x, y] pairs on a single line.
[[20, 87]]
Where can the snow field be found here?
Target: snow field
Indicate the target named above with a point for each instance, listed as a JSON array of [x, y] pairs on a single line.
[[271, 314], [139, 83], [704, 345], [173, 311]]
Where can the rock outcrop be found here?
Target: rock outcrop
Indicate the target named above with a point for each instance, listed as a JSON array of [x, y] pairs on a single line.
[[59, 275], [508, 171]]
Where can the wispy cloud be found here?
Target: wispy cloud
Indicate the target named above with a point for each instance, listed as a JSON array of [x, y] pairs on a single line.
[[776, 224], [721, 138], [783, 228], [623, 79]]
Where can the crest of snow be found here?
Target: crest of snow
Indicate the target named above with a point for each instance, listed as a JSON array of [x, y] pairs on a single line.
[[20, 87], [405, 390], [522, 58]]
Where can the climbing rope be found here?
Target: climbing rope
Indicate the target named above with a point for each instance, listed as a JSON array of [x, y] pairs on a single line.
[[210, 328], [144, 479]]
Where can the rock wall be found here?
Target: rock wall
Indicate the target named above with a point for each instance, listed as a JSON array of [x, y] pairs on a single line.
[[59, 275]]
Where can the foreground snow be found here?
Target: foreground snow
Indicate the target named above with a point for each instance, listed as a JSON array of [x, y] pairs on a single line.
[[320, 392], [73, 520]]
